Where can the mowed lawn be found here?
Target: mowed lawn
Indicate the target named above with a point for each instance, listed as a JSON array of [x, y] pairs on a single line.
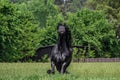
[[78, 71]]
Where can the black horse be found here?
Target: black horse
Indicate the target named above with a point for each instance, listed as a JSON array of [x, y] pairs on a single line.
[[61, 53]]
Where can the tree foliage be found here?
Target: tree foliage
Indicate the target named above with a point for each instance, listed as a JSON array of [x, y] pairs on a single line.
[[42, 9], [91, 27], [18, 32]]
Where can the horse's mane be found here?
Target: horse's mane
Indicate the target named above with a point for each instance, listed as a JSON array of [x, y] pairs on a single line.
[[68, 34]]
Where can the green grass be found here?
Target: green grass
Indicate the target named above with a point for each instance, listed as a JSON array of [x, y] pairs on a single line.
[[78, 71]]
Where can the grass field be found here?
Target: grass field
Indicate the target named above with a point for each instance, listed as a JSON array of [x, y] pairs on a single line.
[[78, 71]]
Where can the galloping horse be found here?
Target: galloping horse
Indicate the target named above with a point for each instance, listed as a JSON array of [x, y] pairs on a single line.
[[61, 53]]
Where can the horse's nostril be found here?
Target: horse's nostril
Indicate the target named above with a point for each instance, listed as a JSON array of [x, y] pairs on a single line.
[[62, 32]]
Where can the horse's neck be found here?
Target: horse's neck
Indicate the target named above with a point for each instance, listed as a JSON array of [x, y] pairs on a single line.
[[62, 43]]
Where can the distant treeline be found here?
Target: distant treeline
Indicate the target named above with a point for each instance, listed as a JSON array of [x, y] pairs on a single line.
[[26, 25]]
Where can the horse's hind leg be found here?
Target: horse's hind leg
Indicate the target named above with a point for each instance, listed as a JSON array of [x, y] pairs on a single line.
[[53, 68]]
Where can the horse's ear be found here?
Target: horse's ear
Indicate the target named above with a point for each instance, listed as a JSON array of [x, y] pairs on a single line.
[[59, 24], [64, 24]]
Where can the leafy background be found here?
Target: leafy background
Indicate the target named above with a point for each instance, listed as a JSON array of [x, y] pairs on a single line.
[[26, 25]]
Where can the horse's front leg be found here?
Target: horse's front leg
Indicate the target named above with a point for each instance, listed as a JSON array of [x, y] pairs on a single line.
[[64, 67], [52, 71]]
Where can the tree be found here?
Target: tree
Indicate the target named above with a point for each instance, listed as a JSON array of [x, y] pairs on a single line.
[[92, 28], [111, 9], [18, 32], [42, 9]]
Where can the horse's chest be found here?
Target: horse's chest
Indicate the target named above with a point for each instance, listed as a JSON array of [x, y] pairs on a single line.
[[60, 57]]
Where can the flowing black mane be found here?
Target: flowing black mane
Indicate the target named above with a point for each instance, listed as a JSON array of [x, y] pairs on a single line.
[[67, 34]]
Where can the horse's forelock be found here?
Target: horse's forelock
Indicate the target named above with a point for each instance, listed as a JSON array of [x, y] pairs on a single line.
[[59, 24]]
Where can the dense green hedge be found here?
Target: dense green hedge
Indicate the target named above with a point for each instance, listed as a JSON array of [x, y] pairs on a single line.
[[91, 28], [19, 33], [29, 24]]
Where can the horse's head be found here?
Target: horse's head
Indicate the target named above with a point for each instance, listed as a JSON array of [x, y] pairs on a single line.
[[61, 29]]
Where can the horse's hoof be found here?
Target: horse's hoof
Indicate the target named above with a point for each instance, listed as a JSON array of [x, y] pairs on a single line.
[[50, 72], [66, 72]]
